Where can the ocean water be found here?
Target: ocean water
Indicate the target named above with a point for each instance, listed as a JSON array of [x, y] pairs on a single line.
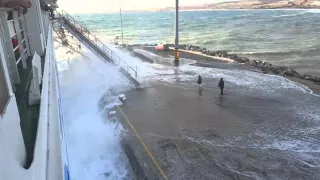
[[285, 37]]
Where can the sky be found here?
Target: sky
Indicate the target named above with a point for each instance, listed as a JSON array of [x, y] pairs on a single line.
[[99, 6]]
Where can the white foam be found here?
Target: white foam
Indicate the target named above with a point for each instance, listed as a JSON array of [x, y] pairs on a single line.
[[112, 112], [93, 142]]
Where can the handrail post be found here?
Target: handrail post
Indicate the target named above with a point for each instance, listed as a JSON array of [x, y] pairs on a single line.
[[99, 44], [136, 72]]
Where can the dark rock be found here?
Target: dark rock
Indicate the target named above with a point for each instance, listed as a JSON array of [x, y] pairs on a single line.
[[199, 49], [204, 51], [287, 72], [221, 53], [276, 70], [234, 57], [315, 79], [212, 53], [266, 67], [224, 53], [170, 45], [296, 74], [307, 77], [282, 68], [261, 65], [254, 63], [270, 66], [243, 60]]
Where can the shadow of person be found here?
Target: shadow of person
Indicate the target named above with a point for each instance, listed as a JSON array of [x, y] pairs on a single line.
[[200, 92], [220, 100]]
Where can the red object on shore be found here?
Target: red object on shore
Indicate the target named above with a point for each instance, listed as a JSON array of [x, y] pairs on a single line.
[[160, 47]]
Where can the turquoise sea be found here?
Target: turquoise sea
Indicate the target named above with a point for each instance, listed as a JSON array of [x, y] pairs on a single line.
[[286, 37]]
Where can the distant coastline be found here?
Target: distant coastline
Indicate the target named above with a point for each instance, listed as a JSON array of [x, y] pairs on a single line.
[[280, 8], [227, 9], [224, 9], [250, 4]]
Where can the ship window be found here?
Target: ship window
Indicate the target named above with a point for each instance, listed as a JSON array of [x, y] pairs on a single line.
[[4, 92]]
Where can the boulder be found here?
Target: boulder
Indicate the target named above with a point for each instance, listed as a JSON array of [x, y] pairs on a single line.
[[307, 77], [224, 53], [296, 74], [276, 70], [204, 51], [287, 72], [221, 53], [267, 67], [196, 48], [199, 49], [243, 60], [254, 63], [283, 68], [315, 79], [234, 57], [261, 65], [212, 53]]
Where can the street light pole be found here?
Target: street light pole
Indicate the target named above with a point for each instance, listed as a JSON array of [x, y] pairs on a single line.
[[121, 24], [176, 47]]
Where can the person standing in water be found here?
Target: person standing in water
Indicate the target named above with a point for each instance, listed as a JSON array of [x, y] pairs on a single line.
[[221, 85], [200, 83]]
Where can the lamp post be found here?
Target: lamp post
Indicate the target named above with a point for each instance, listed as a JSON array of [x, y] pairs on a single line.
[[176, 47], [121, 24]]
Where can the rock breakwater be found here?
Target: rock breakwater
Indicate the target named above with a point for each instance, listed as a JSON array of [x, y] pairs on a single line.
[[264, 66]]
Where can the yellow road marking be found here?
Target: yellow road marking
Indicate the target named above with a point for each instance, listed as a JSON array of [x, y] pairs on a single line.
[[144, 145]]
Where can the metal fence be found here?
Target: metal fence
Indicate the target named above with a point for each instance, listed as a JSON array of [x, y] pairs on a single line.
[[16, 41], [78, 28]]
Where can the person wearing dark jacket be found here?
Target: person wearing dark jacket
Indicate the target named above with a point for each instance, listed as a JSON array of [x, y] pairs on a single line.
[[221, 85], [200, 82]]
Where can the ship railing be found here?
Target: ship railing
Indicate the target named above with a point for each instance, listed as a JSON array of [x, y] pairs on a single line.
[[16, 42], [51, 158], [79, 28], [48, 147], [45, 22]]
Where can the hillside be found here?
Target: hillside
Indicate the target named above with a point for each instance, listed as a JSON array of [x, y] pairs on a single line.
[[266, 4], [252, 4]]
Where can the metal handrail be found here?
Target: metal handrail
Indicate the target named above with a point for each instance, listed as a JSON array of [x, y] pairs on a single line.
[[6, 9], [93, 38]]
